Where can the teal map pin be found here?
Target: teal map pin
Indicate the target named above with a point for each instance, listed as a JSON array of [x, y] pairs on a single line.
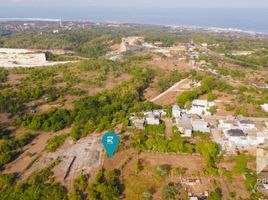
[[110, 142]]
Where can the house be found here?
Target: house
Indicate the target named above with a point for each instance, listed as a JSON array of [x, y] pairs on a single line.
[[246, 125], [159, 112], [200, 107], [265, 107], [176, 111], [184, 125], [228, 124], [256, 140], [152, 119], [238, 138], [138, 122], [200, 125], [235, 133]]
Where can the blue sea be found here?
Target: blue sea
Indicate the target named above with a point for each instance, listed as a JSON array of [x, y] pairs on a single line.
[[255, 19]]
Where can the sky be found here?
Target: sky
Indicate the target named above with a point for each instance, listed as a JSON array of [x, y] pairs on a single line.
[[139, 3]]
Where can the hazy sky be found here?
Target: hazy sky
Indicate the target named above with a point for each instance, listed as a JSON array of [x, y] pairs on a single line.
[[139, 3]]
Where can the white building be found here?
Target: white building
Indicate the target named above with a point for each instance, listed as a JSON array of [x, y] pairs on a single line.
[[176, 111], [160, 112], [152, 119], [193, 198], [184, 126], [237, 138], [200, 107], [131, 44], [265, 107], [137, 122], [228, 124], [246, 125], [200, 125]]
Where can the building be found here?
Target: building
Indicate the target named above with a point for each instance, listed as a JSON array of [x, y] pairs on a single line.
[[246, 125], [137, 122], [235, 133], [152, 119], [159, 112], [265, 107], [200, 107], [228, 124], [200, 125], [242, 53], [237, 138], [176, 111], [184, 126], [132, 44], [147, 117]]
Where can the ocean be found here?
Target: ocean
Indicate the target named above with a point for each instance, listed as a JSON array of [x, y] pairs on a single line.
[[246, 19]]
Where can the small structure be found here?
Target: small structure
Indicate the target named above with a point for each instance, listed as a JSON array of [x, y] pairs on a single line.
[[184, 126], [153, 119], [132, 44], [265, 107], [228, 124], [138, 122], [160, 112], [246, 125], [176, 111], [238, 138], [200, 125], [235, 133], [200, 107], [241, 53]]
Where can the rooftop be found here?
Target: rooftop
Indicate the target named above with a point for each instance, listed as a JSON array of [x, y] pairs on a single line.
[[235, 132]]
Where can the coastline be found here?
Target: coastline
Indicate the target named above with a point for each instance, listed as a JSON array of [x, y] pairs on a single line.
[[182, 26]]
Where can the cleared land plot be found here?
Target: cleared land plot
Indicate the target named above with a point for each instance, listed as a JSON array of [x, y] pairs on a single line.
[[31, 152], [171, 94], [83, 157], [146, 180]]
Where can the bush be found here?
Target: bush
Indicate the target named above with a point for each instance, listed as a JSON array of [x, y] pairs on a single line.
[[54, 143], [213, 110], [212, 96], [7, 180], [215, 195], [80, 183], [106, 186], [171, 191], [229, 107], [163, 170], [50, 121]]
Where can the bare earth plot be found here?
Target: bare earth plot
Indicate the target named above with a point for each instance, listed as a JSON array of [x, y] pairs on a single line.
[[168, 63], [146, 180], [192, 163], [84, 157], [170, 95], [31, 152]]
